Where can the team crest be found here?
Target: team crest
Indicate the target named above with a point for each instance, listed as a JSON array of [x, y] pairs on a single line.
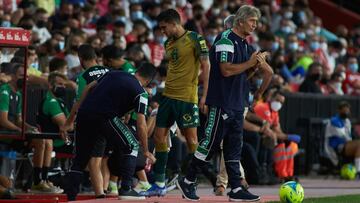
[[187, 117]]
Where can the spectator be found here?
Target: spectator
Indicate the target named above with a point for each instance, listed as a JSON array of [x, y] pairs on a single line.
[[334, 86], [352, 81], [311, 83], [41, 21]]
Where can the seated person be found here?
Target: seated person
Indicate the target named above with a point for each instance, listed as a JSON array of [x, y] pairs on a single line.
[[338, 140], [51, 115], [268, 110], [11, 120], [60, 65]]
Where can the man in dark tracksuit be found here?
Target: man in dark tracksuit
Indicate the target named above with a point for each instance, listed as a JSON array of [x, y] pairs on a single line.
[[99, 115], [231, 59], [92, 71]]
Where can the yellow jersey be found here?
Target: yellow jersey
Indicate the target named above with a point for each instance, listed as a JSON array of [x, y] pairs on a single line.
[[183, 55]]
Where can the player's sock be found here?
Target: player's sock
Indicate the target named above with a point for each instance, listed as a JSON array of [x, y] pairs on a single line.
[[161, 155], [44, 173], [37, 175]]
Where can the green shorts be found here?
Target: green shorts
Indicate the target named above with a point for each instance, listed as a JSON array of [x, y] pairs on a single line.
[[185, 114]]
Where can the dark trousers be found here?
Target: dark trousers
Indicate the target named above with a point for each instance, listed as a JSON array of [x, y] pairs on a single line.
[[222, 124], [249, 156], [89, 128]]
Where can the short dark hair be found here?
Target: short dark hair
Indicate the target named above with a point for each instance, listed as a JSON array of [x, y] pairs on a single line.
[[52, 77], [17, 59], [111, 52], [86, 52], [343, 104], [13, 68], [169, 16], [56, 63], [146, 70]]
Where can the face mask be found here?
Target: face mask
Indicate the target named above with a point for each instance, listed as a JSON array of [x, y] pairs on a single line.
[[301, 35], [343, 52], [74, 47], [153, 91], [61, 45], [251, 98], [181, 3], [41, 24], [65, 73], [275, 46], [27, 26], [19, 83], [162, 85], [6, 24], [302, 16], [354, 67], [337, 85], [344, 115], [35, 65], [215, 11], [293, 46], [211, 39], [59, 91], [286, 29], [309, 32], [122, 19], [288, 14], [315, 77], [314, 45], [335, 55], [324, 46], [136, 15], [317, 29], [161, 40], [343, 75], [258, 82], [275, 105]]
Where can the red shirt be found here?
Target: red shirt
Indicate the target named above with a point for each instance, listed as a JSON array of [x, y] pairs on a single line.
[[348, 84], [157, 53], [263, 110]]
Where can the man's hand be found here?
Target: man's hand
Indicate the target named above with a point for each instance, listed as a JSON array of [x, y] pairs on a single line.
[[63, 131], [253, 59], [203, 107], [150, 157], [261, 58]]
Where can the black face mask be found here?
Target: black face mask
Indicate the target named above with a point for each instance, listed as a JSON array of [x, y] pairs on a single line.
[[74, 47], [41, 24], [19, 83], [27, 26], [59, 91], [344, 115], [315, 77]]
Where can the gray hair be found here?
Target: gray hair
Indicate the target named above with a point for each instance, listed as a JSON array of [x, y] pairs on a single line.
[[245, 12], [229, 21]]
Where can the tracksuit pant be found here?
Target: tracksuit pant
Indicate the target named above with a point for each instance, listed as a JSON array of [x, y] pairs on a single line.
[[89, 127], [222, 125]]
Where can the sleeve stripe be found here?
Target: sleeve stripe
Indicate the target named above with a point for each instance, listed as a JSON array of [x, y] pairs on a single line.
[[143, 100], [224, 47]]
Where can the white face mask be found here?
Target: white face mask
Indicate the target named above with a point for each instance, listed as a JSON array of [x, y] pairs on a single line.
[[343, 75], [275, 105]]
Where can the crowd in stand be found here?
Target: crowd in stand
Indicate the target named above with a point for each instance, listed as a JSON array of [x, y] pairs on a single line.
[[304, 55]]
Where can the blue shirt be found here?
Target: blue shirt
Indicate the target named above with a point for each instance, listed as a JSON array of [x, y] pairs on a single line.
[[116, 94], [228, 92]]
